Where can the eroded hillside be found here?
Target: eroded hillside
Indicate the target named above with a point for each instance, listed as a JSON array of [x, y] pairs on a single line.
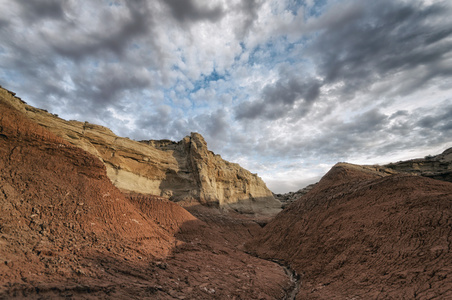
[[364, 234], [67, 232]]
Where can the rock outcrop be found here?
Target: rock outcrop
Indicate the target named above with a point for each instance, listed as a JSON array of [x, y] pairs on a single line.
[[437, 167], [205, 176], [182, 171]]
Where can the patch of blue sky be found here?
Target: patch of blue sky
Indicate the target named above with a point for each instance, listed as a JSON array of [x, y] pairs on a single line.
[[294, 6], [273, 53], [93, 63], [317, 9], [135, 46], [112, 3], [205, 80], [239, 56], [11, 79], [178, 95]]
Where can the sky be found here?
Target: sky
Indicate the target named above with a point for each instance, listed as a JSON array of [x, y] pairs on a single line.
[[284, 88]]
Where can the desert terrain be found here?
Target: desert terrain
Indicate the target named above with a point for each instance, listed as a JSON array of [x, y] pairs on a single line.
[[85, 214]]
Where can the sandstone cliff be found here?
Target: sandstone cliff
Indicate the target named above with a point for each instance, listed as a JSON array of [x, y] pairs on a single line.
[[182, 171]]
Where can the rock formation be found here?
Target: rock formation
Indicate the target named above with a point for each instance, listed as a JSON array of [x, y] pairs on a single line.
[[67, 232], [437, 167], [205, 176], [182, 171], [362, 233]]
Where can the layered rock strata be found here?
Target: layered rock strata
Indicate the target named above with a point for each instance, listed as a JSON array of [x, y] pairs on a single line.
[[182, 171]]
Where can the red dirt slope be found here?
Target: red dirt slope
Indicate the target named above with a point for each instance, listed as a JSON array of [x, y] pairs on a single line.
[[66, 231], [366, 235], [57, 204]]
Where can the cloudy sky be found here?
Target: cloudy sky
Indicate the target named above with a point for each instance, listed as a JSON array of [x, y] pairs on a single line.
[[285, 88]]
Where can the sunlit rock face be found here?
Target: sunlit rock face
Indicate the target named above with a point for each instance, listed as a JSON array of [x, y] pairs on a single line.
[[182, 171]]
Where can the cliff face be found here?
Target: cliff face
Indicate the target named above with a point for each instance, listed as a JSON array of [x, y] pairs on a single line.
[[182, 171], [205, 176], [436, 167]]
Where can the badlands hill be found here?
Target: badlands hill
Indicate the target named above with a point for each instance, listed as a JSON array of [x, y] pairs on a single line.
[[67, 232], [362, 233], [432, 166], [181, 171]]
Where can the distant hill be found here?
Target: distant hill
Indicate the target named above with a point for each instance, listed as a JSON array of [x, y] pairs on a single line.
[[432, 166]]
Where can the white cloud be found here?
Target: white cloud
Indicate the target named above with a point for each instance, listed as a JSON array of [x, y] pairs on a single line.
[[314, 83]]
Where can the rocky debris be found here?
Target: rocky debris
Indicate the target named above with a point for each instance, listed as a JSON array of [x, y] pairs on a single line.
[[182, 171], [437, 167], [288, 198], [67, 232], [366, 234]]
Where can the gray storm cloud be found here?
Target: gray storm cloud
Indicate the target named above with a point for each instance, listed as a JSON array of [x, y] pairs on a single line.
[[263, 81]]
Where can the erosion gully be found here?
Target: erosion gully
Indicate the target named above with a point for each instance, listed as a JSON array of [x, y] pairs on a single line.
[[294, 278], [292, 292]]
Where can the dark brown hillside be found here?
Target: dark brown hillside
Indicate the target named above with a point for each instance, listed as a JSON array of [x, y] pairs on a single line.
[[366, 235]]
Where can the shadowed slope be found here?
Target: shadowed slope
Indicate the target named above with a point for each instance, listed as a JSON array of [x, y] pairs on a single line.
[[365, 234]]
